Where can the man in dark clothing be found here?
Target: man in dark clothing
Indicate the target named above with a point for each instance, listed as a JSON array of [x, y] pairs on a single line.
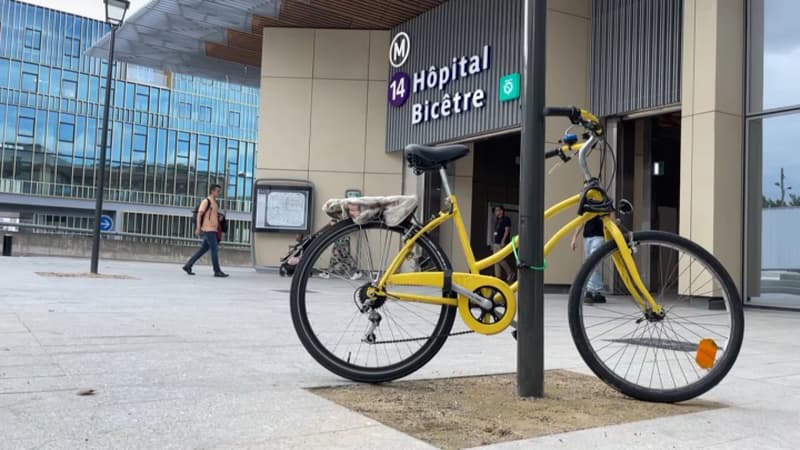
[[502, 235], [206, 227]]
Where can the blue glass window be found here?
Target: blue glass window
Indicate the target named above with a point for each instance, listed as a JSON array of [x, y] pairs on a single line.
[[130, 95], [72, 47], [14, 74], [66, 129], [205, 114], [183, 144], [142, 97], [185, 110], [27, 122], [164, 107], [234, 119], [30, 78], [203, 147], [33, 39], [94, 89], [69, 88], [3, 72], [153, 100], [55, 82], [83, 87], [140, 139]]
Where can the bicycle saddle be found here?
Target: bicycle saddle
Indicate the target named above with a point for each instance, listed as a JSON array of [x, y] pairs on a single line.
[[423, 157]]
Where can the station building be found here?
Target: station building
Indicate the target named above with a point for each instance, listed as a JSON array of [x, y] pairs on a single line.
[[697, 95]]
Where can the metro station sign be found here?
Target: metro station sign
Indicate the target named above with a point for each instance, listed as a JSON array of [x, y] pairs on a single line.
[[403, 85]]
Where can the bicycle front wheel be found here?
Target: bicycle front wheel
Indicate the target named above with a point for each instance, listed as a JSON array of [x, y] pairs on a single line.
[[668, 358], [362, 339]]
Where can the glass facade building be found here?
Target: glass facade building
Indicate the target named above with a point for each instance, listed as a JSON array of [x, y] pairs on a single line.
[[773, 116], [170, 135]]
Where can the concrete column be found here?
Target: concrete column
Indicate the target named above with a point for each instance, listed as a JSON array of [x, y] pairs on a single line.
[[711, 211]]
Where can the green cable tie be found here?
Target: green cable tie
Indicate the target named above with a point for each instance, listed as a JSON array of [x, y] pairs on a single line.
[[519, 263]]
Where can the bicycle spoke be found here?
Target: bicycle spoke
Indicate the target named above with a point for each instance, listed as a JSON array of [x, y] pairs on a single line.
[[630, 347]]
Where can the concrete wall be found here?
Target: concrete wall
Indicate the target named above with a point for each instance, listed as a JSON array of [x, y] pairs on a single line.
[[31, 244], [323, 118], [567, 84], [711, 130]]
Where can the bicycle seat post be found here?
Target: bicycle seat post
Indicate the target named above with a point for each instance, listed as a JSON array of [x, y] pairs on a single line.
[[445, 184]]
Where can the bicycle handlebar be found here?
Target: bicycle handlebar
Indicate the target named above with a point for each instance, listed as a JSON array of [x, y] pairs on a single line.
[[589, 122], [572, 112]]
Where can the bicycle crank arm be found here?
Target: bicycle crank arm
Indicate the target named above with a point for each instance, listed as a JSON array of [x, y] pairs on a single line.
[[474, 298]]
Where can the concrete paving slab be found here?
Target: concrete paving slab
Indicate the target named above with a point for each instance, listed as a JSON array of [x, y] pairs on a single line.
[[199, 362]]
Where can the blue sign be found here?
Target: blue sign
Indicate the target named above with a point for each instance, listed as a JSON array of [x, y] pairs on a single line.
[[106, 223], [399, 89]]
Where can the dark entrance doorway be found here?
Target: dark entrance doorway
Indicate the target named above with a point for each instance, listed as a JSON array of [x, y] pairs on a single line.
[[650, 168], [495, 180]]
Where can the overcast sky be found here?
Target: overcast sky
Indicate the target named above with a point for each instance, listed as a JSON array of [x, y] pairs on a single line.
[[87, 8]]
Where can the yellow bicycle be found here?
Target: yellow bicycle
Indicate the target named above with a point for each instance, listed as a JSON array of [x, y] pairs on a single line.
[[374, 297]]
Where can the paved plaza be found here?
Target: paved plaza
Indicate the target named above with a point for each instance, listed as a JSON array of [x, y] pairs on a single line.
[[198, 362]]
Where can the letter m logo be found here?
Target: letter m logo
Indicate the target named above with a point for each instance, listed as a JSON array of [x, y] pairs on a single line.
[[399, 49]]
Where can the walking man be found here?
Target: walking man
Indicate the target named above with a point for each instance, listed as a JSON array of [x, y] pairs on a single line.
[[206, 227], [502, 234]]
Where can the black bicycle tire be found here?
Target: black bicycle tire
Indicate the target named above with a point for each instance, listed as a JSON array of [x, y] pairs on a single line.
[[328, 360], [639, 392]]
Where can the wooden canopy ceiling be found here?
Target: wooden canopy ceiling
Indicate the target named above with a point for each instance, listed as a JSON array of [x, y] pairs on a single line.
[[245, 48]]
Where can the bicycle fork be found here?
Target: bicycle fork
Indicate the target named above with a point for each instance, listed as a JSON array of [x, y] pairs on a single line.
[[628, 272]]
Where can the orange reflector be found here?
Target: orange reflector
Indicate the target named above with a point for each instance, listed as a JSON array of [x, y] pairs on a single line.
[[706, 353]]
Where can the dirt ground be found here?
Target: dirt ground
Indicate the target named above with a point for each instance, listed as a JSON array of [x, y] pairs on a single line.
[[455, 413]]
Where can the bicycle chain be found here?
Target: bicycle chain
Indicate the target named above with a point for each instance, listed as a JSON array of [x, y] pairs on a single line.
[[398, 341]]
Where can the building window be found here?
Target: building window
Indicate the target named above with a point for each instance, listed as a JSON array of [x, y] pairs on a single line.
[[234, 119], [773, 109], [205, 114], [183, 145], [69, 88], [27, 122], [185, 110], [33, 39], [72, 47], [142, 98], [66, 132], [30, 81]]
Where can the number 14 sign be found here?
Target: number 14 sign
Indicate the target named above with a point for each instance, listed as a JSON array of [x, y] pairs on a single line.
[[399, 89]]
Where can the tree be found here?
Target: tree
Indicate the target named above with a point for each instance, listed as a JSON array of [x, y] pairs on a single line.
[[770, 203], [794, 200]]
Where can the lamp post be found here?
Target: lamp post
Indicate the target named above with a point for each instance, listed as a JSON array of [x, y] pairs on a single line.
[[115, 14]]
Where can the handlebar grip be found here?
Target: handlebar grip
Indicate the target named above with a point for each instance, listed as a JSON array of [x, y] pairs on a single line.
[[563, 111], [550, 153]]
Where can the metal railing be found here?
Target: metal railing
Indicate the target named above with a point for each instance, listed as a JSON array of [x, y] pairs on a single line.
[[60, 190], [113, 235]]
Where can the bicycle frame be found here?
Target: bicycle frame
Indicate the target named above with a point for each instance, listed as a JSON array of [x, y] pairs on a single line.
[[623, 260]]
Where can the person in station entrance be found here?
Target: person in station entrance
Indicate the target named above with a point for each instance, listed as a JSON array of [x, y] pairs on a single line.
[[207, 226], [502, 235], [592, 240]]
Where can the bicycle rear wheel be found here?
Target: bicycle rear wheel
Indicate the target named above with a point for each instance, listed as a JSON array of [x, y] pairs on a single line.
[[366, 341], [660, 359]]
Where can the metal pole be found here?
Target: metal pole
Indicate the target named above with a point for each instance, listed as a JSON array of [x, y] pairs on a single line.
[[101, 175], [530, 331]]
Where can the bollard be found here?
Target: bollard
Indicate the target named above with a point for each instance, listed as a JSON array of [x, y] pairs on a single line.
[[7, 239]]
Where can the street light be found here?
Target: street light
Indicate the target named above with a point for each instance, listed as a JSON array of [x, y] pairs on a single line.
[[115, 14]]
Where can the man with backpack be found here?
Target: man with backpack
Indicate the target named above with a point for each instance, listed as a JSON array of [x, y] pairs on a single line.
[[207, 226]]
